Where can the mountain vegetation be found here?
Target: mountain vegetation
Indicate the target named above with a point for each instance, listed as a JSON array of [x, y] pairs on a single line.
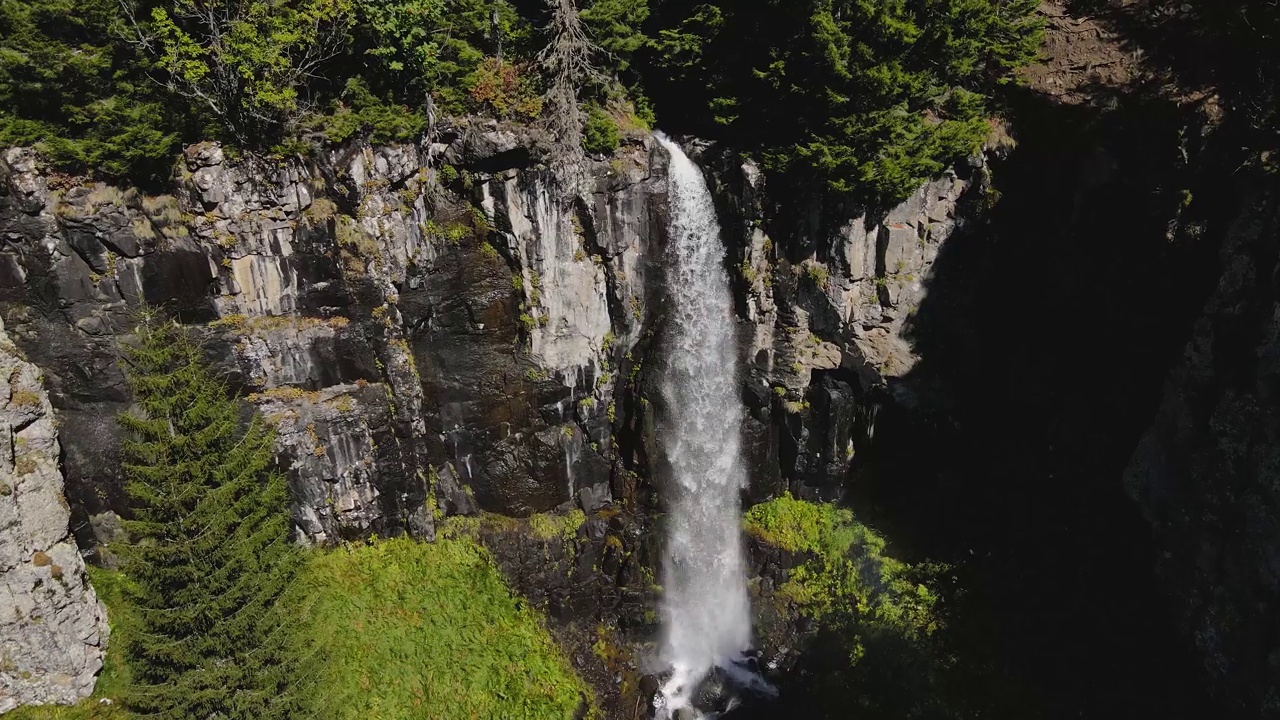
[[866, 97], [210, 553], [878, 619], [216, 613]]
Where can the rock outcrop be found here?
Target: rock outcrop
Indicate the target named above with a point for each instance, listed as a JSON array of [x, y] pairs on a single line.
[[434, 329], [828, 309], [398, 311], [1207, 472], [53, 630]]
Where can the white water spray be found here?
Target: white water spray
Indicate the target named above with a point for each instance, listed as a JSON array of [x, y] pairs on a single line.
[[705, 608]]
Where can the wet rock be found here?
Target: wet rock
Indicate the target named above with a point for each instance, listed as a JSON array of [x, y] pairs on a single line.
[[594, 498], [453, 498]]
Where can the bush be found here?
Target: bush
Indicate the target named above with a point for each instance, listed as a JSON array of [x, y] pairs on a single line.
[[600, 135], [848, 579], [505, 90], [876, 644], [399, 628]]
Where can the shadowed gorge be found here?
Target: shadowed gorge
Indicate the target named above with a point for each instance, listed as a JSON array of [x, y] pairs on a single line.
[[378, 359]]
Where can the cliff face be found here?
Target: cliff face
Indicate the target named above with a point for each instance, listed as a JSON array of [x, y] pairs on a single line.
[[53, 630], [1207, 472], [438, 308], [434, 330], [387, 319]]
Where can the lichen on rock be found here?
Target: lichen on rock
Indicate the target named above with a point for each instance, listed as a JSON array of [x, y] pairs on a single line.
[[53, 629]]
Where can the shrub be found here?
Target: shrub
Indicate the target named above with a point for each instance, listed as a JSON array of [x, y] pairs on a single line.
[[505, 90], [817, 274], [600, 134], [876, 616]]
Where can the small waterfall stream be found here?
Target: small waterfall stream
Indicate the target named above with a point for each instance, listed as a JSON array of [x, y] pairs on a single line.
[[705, 609]]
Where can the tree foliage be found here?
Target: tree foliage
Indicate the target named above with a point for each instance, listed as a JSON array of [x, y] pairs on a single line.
[[865, 96], [210, 553], [245, 62], [434, 48], [69, 83], [869, 95]]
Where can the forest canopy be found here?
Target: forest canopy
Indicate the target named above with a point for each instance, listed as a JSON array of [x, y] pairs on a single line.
[[868, 96]]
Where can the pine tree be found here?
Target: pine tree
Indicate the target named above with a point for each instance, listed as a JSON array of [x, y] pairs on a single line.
[[210, 553]]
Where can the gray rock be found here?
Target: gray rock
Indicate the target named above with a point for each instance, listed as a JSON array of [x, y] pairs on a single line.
[[453, 498], [595, 498], [53, 630]]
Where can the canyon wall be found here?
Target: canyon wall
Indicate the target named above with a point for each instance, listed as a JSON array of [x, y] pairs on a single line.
[[434, 329], [399, 312]]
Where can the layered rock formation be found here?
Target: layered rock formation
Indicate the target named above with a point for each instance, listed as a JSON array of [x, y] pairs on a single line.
[[402, 310], [53, 630], [435, 330]]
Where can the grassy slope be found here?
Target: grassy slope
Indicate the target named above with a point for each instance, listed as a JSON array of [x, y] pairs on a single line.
[[402, 629], [391, 631]]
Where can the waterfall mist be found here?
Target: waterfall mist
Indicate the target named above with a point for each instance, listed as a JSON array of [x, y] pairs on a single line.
[[705, 608]]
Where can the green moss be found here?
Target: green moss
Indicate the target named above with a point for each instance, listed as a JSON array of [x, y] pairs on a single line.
[[545, 526], [401, 629], [847, 579]]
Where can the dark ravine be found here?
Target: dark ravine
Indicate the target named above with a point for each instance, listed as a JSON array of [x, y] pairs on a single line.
[[1067, 396]]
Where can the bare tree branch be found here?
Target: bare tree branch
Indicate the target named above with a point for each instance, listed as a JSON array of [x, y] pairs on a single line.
[[567, 61]]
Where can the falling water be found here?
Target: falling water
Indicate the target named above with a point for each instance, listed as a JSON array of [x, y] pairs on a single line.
[[705, 608]]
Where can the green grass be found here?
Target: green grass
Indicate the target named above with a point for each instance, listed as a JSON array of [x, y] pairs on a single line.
[[114, 677], [400, 629], [392, 630]]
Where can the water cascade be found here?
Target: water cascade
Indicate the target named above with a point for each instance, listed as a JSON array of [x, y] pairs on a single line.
[[705, 609]]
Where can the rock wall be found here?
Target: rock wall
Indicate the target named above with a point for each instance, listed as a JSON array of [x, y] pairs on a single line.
[[400, 310], [434, 330], [394, 311], [1206, 474], [828, 306], [53, 630]]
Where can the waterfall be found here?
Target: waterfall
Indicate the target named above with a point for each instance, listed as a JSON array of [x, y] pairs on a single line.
[[705, 608]]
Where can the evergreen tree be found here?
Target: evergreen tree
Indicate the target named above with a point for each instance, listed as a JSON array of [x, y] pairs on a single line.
[[868, 96], [69, 83], [210, 555]]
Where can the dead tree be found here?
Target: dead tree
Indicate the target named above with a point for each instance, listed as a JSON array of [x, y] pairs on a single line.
[[567, 62]]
